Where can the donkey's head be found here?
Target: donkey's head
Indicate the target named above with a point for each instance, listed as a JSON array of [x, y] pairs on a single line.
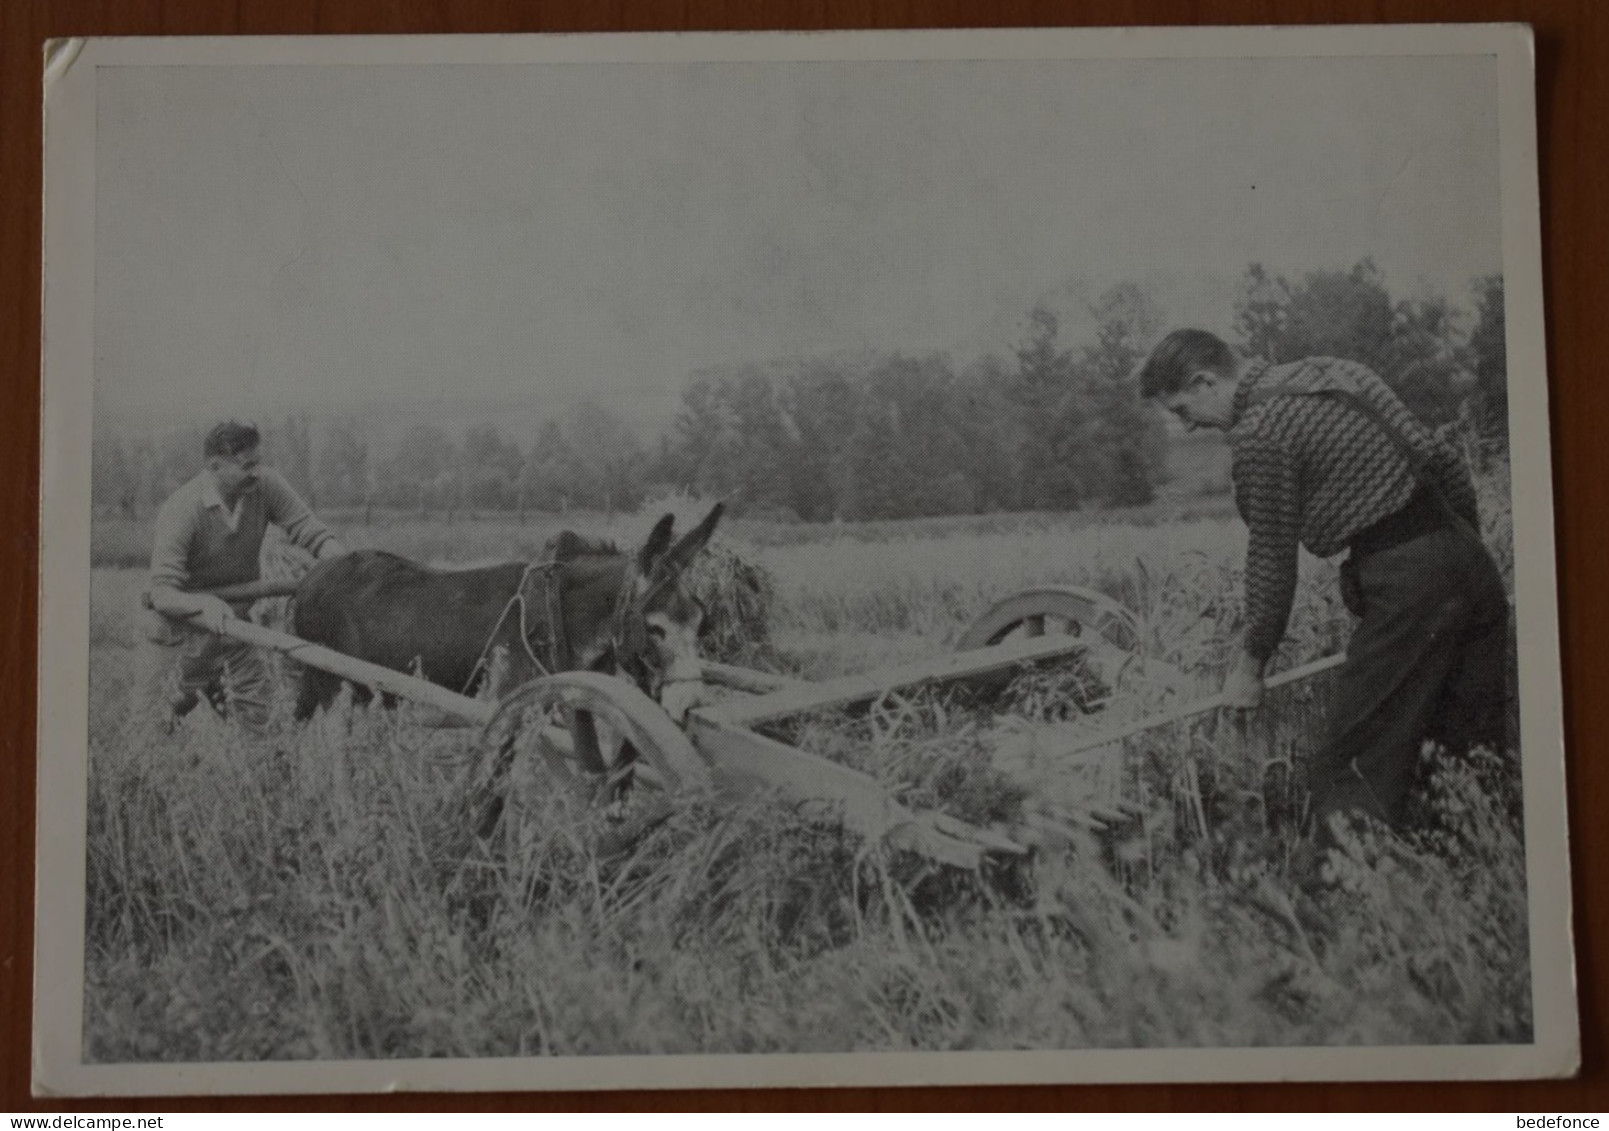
[[658, 622]]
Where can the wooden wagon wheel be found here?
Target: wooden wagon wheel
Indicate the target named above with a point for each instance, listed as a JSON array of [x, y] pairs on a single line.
[[596, 739], [1055, 610], [1052, 611]]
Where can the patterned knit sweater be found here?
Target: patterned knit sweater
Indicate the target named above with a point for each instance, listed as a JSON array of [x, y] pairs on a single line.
[[1312, 469]]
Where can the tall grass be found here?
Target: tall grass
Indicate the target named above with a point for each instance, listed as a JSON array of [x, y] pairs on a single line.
[[318, 892], [313, 898]]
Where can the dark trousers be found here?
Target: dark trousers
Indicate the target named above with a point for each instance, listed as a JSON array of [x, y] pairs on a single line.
[[1427, 661], [171, 678]]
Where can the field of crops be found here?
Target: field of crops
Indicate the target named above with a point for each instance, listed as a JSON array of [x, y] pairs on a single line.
[[317, 893]]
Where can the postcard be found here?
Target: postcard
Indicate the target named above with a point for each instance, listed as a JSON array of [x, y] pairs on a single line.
[[708, 560]]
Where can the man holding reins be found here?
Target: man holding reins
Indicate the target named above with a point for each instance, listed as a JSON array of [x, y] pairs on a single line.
[[1325, 455], [208, 534]]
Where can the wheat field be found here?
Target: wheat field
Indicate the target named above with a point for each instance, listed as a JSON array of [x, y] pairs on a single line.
[[316, 893]]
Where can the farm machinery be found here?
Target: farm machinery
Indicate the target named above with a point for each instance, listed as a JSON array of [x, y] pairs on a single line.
[[587, 732]]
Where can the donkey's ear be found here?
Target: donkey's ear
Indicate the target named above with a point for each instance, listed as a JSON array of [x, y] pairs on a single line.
[[692, 542], [654, 548]]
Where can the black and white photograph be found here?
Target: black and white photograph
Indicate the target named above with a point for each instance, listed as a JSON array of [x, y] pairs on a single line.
[[762, 559]]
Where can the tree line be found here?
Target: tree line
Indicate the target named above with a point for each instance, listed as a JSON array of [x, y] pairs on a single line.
[[1052, 426], [897, 436], [1420, 346], [590, 459]]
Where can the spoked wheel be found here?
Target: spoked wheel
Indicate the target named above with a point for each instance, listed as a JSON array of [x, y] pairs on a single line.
[[589, 741], [1058, 610], [1055, 610]]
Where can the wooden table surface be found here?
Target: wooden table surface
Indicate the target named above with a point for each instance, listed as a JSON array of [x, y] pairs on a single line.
[[1573, 99]]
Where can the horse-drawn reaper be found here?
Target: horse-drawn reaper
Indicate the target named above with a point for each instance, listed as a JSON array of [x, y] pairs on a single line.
[[584, 667]]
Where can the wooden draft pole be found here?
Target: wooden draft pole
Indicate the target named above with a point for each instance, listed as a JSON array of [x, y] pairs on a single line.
[[792, 697], [1199, 707], [379, 678], [253, 590]]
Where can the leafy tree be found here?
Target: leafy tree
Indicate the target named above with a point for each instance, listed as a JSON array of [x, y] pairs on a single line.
[[703, 438], [609, 458], [664, 466], [1050, 413], [902, 463], [289, 448], [421, 469], [757, 445], [1262, 310], [1426, 361], [1415, 345], [936, 435], [1340, 314], [176, 461], [697, 424], [343, 468], [551, 469], [485, 449], [824, 408], [490, 467], [1124, 442], [990, 434]]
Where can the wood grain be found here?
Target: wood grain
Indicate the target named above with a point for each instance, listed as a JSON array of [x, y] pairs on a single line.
[[1573, 64]]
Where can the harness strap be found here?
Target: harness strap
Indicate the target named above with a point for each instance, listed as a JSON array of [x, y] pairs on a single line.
[[623, 649], [517, 600], [558, 638]]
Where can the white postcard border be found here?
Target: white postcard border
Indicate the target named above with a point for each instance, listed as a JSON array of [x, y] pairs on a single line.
[[64, 564]]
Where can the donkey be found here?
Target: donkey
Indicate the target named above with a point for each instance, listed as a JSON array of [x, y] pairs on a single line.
[[585, 605]]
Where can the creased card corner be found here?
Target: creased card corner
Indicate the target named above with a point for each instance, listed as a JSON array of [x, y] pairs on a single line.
[[60, 55]]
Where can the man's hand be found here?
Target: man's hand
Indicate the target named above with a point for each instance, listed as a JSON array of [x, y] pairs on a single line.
[[332, 548], [1243, 687], [210, 612], [201, 609]]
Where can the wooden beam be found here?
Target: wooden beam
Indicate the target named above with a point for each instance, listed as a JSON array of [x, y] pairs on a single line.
[[254, 590], [869, 685], [746, 679], [1080, 739], [412, 688], [746, 762]]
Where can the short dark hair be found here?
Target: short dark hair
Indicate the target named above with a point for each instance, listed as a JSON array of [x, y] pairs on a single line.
[[1180, 354], [229, 438]]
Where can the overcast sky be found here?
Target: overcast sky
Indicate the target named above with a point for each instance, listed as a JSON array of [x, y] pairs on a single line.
[[556, 231]]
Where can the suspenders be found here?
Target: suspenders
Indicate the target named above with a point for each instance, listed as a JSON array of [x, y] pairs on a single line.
[[1418, 462]]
